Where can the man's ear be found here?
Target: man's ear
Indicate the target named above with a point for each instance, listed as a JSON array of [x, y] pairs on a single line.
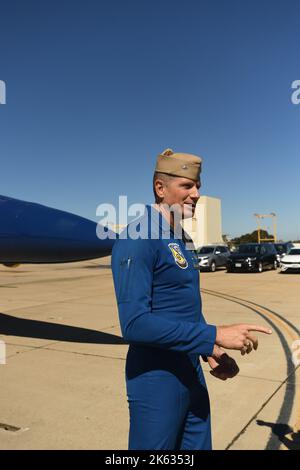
[[159, 188]]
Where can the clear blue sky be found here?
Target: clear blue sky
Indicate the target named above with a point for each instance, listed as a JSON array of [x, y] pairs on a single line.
[[97, 88]]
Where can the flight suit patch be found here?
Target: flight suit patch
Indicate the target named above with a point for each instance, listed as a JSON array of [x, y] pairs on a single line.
[[178, 255]]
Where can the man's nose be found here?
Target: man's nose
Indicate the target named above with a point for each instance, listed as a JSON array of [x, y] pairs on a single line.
[[195, 194]]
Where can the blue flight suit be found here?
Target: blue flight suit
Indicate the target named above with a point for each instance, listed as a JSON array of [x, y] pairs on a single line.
[[157, 290]]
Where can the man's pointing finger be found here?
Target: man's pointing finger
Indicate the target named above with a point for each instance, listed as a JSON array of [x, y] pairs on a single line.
[[259, 328]]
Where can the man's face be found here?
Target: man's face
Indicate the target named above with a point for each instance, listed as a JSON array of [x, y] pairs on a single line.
[[184, 193]]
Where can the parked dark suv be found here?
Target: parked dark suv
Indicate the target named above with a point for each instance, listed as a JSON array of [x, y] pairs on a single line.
[[253, 257]]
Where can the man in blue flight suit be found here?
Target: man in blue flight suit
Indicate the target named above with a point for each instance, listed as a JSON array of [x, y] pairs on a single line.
[[159, 302]]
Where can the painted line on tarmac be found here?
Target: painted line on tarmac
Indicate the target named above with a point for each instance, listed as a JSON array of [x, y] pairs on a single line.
[[276, 321]]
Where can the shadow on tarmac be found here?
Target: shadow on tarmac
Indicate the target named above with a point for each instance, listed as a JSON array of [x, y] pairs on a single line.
[[285, 434], [15, 326]]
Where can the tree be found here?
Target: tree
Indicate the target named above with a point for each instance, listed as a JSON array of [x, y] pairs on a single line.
[[250, 237]]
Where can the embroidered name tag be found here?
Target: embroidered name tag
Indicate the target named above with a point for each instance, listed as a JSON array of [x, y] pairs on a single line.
[[178, 255]]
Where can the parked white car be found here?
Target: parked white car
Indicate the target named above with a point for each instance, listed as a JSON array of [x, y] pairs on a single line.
[[291, 261]]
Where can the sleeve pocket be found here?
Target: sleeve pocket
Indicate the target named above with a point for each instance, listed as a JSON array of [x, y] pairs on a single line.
[[125, 280]]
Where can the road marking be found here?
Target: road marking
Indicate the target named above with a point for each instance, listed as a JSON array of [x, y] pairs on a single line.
[[291, 331]]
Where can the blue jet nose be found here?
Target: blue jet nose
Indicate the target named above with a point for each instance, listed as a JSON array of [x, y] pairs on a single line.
[[33, 233]]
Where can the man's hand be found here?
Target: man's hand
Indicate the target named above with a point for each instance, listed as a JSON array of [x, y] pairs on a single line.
[[239, 337], [223, 366]]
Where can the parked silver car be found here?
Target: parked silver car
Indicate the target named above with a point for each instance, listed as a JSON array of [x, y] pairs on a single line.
[[282, 249], [291, 261], [212, 257]]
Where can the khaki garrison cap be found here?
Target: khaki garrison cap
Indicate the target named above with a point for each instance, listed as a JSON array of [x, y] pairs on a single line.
[[179, 164]]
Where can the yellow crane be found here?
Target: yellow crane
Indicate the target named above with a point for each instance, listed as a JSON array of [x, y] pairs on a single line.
[[264, 216]]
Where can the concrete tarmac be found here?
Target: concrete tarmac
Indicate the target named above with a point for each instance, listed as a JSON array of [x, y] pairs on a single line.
[[62, 386]]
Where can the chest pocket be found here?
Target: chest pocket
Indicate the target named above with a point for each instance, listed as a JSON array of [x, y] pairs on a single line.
[[125, 280]]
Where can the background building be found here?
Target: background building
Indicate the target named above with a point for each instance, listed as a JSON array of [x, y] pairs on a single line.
[[205, 227]]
